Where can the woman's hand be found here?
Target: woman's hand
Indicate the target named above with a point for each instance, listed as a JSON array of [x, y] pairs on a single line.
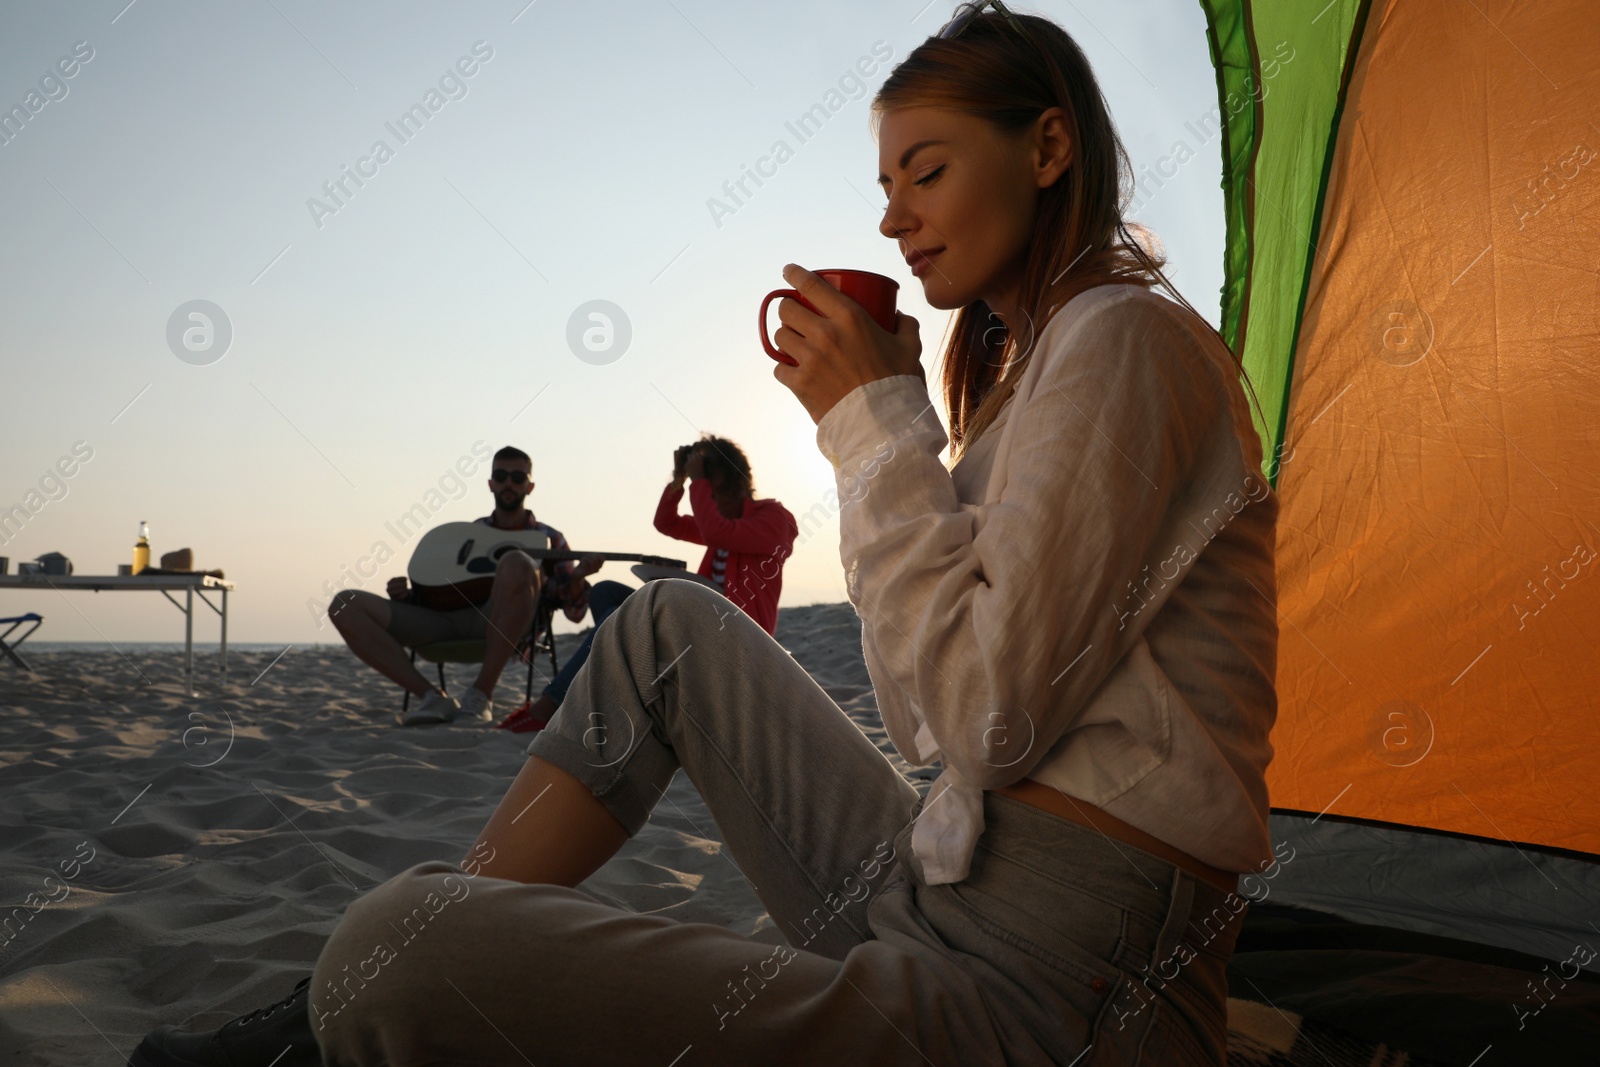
[[680, 457], [695, 466], [838, 347]]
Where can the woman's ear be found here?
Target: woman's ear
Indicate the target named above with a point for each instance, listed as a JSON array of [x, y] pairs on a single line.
[[1054, 151]]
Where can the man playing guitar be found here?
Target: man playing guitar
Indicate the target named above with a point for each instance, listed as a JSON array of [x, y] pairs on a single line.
[[379, 630]]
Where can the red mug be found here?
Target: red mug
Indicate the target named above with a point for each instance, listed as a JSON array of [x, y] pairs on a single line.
[[873, 292]]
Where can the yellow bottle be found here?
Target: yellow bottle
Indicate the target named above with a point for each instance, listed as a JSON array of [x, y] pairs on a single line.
[[141, 548]]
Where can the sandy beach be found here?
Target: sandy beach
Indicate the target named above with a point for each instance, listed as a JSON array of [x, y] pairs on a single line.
[[199, 850], [176, 859]]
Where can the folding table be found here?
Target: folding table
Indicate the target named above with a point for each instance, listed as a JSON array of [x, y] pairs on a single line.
[[191, 585]]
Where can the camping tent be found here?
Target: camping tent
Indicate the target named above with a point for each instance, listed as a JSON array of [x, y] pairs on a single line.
[[1412, 277]]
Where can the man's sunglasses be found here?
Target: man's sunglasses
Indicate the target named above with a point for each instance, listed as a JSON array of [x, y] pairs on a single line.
[[514, 477], [967, 12]]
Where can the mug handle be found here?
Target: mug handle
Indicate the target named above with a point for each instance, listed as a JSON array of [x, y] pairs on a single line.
[[772, 351]]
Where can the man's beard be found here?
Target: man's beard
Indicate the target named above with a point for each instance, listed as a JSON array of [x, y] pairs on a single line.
[[509, 499]]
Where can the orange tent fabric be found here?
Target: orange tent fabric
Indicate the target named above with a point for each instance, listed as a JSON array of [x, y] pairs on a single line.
[[1439, 539]]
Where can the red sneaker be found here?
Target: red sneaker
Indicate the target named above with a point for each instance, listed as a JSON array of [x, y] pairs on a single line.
[[530, 724], [522, 721]]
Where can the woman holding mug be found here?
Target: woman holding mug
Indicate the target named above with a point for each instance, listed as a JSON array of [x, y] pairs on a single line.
[[1074, 617]]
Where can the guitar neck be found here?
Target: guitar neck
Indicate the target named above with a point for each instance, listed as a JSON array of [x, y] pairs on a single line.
[[609, 557]]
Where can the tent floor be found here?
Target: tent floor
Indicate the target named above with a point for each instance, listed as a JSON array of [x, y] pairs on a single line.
[[1310, 988]]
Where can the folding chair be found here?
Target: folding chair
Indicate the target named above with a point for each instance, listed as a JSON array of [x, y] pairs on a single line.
[[540, 638], [10, 647]]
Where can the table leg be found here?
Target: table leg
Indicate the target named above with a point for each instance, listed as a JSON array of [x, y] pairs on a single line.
[[224, 637], [188, 638]]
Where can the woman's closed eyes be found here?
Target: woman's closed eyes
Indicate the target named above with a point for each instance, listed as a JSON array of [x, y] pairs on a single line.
[[928, 177]]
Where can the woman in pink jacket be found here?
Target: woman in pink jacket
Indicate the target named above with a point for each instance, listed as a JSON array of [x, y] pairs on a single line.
[[746, 539]]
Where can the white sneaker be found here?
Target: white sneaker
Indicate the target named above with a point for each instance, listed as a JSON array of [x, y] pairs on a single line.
[[475, 706], [435, 707]]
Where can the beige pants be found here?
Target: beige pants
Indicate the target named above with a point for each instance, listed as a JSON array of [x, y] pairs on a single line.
[[1060, 947]]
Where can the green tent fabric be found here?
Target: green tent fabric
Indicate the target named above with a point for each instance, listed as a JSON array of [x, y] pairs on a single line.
[[1282, 71]]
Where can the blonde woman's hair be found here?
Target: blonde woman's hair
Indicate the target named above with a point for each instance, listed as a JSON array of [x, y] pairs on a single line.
[[1080, 239]]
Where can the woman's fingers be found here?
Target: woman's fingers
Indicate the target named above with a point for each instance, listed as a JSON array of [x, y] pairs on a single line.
[[908, 334], [794, 344], [834, 310], [824, 297], [837, 347], [799, 319]]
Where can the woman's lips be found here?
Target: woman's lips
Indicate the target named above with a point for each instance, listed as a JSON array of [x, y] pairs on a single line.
[[920, 260]]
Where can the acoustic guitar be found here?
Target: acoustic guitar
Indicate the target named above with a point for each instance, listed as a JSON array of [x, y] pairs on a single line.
[[453, 565]]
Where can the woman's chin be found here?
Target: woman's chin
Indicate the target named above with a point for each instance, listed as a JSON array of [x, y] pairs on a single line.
[[943, 296]]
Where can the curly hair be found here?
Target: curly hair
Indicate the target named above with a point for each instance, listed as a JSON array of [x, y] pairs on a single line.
[[726, 464]]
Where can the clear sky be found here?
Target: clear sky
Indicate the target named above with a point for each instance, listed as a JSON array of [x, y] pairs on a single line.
[[380, 334]]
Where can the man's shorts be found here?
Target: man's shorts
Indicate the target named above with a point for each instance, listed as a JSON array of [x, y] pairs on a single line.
[[413, 625]]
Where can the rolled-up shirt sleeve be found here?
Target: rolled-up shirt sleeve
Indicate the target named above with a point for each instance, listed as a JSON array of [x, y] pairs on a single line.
[[996, 623]]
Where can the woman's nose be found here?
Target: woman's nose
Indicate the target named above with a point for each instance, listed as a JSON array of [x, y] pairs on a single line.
[[897, 222]]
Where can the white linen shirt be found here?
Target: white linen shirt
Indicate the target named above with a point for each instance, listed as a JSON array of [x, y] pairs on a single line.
[[1086, 598]]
